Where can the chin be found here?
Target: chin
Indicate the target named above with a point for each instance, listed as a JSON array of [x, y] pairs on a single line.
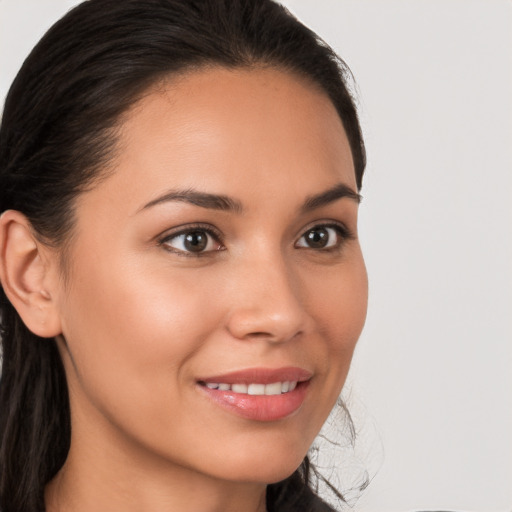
[[262, 466], [271, 474]]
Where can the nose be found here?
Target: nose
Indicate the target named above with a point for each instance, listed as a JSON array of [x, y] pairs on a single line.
[[266, 302]]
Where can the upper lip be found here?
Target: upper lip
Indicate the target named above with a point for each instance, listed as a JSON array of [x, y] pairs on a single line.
[[260, 376]]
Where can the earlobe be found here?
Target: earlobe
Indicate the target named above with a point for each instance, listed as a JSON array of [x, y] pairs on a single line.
[[25, 276]]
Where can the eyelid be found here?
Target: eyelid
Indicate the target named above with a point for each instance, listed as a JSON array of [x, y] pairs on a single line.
[[329, 223], [343, 231], [187, 228]]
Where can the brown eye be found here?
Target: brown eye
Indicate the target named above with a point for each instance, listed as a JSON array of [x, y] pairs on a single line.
[[196, 241], [317, 238], [320, 237], [193, 241]]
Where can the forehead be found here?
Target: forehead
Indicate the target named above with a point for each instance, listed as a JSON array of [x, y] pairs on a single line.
[[241, 129]]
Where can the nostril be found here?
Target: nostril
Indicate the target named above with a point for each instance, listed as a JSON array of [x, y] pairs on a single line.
[[271, 337], [259, 334]]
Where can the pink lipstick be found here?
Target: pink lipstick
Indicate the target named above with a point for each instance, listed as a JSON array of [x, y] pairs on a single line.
[[259, 394]]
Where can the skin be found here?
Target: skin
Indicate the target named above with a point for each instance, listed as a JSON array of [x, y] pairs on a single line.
[[138, 320]]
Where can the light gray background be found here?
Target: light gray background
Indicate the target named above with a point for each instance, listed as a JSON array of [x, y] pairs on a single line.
[[431, 384]]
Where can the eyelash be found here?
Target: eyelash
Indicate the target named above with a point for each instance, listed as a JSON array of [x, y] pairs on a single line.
[[341, 230], [343, 233], [191, 228]]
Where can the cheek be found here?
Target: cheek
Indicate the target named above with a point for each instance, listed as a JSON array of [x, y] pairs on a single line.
[[137, 334], [338, 302]]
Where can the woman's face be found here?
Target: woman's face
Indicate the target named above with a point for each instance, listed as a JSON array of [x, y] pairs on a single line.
[[219, 260]]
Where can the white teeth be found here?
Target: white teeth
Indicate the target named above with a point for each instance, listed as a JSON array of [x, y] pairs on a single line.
[[256, 389], [275, 388], [239, 388]]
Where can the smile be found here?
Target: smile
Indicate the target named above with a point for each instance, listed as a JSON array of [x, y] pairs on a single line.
[[275, 388], [259, 394]]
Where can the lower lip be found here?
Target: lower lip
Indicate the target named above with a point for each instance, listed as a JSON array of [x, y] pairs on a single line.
[[259, 407]]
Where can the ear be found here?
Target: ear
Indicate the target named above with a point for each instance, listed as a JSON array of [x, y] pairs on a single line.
[[27, 274]]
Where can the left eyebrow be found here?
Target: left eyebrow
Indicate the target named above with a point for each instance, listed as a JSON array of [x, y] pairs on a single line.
[[333, 194], [201, 199]]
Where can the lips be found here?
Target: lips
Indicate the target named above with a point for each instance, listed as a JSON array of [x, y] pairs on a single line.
[[258, 394]]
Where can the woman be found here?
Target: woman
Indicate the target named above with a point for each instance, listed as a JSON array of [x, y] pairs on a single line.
[[182, 283]]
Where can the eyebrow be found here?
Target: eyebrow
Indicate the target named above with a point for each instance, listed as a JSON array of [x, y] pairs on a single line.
[[202, 199], [228, 204], [339, 191]]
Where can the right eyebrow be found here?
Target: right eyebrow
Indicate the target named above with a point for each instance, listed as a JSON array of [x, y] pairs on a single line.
[[339, 191], [201, 199]]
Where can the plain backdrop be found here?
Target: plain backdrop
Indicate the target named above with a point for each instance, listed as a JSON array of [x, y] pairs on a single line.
[[431, 384]]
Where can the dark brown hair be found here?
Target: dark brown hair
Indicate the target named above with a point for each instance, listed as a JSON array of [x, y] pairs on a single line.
[[57, 135]]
